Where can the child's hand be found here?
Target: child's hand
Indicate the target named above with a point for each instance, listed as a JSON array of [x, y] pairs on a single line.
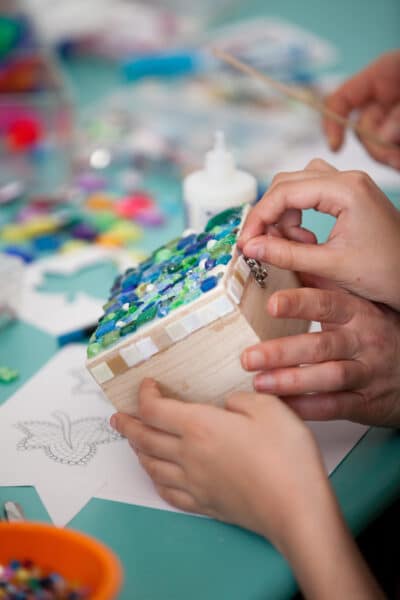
[[254, 464], [375, 93], [363, 249], [353, 365]]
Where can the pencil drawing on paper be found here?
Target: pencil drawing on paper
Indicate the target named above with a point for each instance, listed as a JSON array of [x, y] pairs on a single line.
[[66, 441], [84, 384]]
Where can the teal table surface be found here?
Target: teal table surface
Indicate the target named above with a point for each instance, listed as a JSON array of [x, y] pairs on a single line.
[[171, 556]]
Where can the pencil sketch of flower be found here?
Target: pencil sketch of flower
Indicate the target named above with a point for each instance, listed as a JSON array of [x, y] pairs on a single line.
[[66, 441]]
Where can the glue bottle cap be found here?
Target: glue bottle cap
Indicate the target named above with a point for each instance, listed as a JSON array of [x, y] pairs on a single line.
[[219, 161]]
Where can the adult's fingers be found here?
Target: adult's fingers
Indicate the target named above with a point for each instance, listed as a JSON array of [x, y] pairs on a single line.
[[351, 406], [307, 348], [371, 119], [353, 94], [146, 439], [312, 304], [163, 472], [330, 376]]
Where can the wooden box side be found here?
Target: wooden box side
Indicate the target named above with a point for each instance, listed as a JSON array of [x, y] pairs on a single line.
[[254, 305], [203, 367]]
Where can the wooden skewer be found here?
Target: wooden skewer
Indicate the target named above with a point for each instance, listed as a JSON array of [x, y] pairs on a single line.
[[301, 95]]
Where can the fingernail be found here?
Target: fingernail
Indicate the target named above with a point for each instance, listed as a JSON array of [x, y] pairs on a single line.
[[255, 250], [333, 141], [113, 421], [265, 382], [254, 359], [278, 305], [282, 305]]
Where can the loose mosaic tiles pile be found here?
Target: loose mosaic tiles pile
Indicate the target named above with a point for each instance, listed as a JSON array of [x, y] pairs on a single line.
[[175, 276], [23, 580], [46, 226]]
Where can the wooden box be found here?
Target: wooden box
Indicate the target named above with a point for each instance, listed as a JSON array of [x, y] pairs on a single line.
[[188, 337]]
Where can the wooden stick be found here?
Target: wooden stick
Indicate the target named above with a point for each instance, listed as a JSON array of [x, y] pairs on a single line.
[[301, 95]]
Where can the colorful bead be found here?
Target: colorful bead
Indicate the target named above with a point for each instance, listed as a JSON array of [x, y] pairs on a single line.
[[26, 581], [208, 284], [8, 375]]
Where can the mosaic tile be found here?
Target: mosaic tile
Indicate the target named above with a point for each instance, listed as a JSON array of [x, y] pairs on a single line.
[[102, 372], [174, 276]]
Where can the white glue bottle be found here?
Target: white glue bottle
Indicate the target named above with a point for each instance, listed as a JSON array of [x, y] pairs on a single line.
[[220, 185]]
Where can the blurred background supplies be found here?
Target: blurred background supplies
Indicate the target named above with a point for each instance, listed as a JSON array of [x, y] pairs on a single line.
[[35, 110], [11, 274]]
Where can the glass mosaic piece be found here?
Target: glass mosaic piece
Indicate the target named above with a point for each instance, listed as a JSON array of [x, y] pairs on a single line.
[[175, 275]]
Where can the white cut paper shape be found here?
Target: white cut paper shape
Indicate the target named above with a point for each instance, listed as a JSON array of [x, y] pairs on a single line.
[[55, 315], [72, 262], [56, 415]]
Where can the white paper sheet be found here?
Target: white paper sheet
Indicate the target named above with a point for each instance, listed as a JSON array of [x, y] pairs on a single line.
[[55, 434], [351, 157]]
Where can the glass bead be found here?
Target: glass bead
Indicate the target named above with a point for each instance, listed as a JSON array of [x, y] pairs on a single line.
[[127, 329], [209, 264], [104, 329], [222, 218], [162, 255], [186, 241], [110, 338], [208, 284], [93, 349], [147, 315], [163, 309], [224, 259]]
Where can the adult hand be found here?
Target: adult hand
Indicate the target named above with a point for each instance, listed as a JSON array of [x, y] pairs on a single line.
[[375, 93], [350, 370], [363, 249]]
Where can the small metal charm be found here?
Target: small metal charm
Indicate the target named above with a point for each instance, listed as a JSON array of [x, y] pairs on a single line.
[[259, 272]]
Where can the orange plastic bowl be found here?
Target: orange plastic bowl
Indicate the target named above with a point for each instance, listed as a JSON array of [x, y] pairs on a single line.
[[77, 557]]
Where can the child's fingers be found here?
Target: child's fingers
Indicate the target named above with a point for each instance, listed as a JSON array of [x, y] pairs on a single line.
[[162, 472], [146, 439], [326, 377], [180, 499], [328, 194], [290, 227], [312, 304], [149, 389], [244, 403], [166, 414], [295, 256], [255, 224], [320, 165], [307, 348]]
